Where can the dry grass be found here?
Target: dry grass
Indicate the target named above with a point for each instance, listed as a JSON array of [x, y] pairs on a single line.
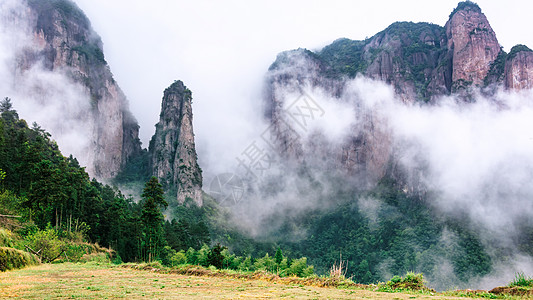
[[101, 281]]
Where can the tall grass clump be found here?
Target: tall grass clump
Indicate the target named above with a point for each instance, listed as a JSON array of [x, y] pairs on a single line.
[[521, 280]]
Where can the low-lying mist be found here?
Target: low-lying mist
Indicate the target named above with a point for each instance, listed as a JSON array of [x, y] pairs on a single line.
[[470, 161]]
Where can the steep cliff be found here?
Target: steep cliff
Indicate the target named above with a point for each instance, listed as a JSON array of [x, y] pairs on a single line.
[[63, 42], [472, 45], [519, 68], [172, 148]]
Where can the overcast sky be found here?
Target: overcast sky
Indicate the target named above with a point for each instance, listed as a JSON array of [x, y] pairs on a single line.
[[221, 49]]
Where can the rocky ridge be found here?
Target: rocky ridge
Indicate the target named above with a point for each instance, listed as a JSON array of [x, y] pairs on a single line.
[[421, 61]]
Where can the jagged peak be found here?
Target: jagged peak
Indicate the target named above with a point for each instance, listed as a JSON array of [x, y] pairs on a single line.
[[466, 5], [178, 86]]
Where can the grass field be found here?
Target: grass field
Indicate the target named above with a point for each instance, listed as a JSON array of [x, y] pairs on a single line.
[[102, 281]]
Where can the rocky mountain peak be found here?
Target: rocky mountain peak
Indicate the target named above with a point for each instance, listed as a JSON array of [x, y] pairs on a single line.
[[172, 148], [472, 45]]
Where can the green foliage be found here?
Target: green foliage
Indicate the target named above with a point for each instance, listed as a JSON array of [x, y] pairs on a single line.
[[192, 256], [521, 280], [278, 257], [497, 69], [516, 49], [91, 52], [203, 256], [300, 268], [66, 8], [11, 258], [6, 238], [152, 219], [46, 244], [345, 57], [215, 257], [136, 169], [465, 5], [179, 258], [44, 187], [399, 234], [410, 281], [189, 226]]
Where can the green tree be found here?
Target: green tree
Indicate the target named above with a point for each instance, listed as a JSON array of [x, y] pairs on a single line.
[[215, 256], [152, 218], [278, 257]]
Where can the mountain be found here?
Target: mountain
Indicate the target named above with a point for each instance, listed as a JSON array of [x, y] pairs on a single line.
[[421, 61], [172, 149], [60, 62], [408, 182]]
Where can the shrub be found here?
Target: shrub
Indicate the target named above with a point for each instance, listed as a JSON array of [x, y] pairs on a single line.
[[192, 256], [6, 238], [203, 254], [95, 257], [14, 259], [411, 281], [179, 258], [46, 244], [299, 268], [246, 264], [521, 279], [215, 257]]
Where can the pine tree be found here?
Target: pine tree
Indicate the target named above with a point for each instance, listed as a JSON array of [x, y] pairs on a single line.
[[279, 256], [152, 218]]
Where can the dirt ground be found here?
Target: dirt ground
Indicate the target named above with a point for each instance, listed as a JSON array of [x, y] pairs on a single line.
[[93, 281]]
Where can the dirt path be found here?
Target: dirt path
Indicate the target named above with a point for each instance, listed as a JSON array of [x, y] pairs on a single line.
[[92, 281]]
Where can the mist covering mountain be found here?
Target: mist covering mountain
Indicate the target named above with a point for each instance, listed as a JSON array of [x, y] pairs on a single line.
[[407, 151]]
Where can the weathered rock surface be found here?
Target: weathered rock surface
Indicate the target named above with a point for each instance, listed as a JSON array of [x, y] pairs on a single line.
[[519, 69], [64, 42], [472, 44], [172, 148]]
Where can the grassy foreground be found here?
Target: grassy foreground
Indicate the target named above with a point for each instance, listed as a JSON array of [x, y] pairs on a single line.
[[104, 281]]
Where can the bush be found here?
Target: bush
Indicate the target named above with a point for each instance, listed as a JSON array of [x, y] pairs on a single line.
[[179, 258], [246, 264], [46, 244], [192, 256], [266, 263], [299, 268], [411, 281], [215, 257], [95, 257], [522, 280], [203, 254], [15, 259], [6, 238]]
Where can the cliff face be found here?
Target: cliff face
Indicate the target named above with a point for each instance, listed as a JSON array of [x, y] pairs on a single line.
[[519, 68], [63, 42], [172, 148], [421, 61], [472, 44]]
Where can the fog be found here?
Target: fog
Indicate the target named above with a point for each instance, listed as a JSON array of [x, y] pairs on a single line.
[[51, 99]]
